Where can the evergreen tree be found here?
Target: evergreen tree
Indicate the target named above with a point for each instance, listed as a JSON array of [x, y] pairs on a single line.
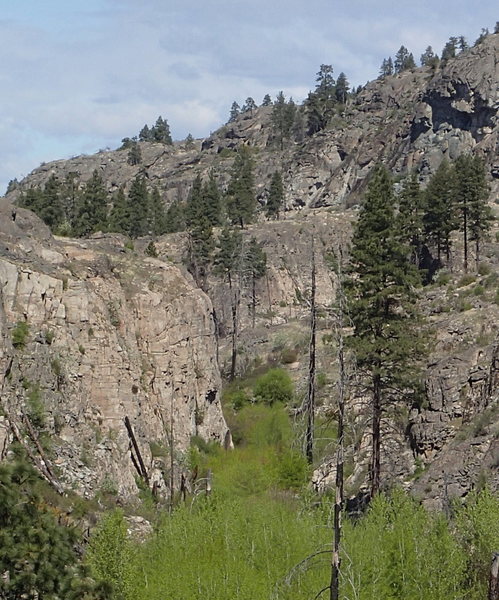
[[134, 156], [450, 49], [267, 100], [161, 131], [146, 134], [119, 216], [254, 268], [276, 197], [212, 200], [429, 58], [471, 193], [156, 213], [485, 32], [385, 339], [175, 217], [189, 142], [496, 28], [320, 103], [51, 210], [37, 557], [410, 216], [235, 111], [91, 212], [228, 265], [342, 88], [386, 68], [249, 105], [404, 60], [200, 250], [138, 200], [240, 198], [282, 118], [439, 219], [195, 204], [462, 43]]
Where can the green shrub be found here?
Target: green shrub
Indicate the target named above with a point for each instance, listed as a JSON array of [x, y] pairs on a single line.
[[484, 269], [275, 386], [151, 250], [443, 278], [289, 355], [466, 280], [292, 470], [20, 334], [36, 409], [478, 290]]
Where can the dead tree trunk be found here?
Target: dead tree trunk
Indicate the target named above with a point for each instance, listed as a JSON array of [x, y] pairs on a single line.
[[340, 453], [309, 444], [375, 466], [494, 578], [131, 435]]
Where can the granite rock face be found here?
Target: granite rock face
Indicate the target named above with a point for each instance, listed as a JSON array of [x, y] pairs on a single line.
[[108, 335]]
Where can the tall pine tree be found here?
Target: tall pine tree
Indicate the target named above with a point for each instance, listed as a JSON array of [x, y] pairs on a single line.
[[381, 291]]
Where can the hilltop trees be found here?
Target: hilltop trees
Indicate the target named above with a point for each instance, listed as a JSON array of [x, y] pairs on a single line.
[[320, 103], [381, 293], [159, 132], [404, 60], [282, 118]]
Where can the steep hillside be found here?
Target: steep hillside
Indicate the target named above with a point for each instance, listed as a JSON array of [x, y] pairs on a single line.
[[409, 121]]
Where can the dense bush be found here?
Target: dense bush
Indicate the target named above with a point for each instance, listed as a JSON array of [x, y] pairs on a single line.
[[274, 386]]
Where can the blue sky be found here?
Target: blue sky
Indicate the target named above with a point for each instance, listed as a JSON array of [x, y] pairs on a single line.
[[79, 75]]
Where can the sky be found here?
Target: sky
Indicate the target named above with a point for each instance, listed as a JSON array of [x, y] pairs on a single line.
[[77, 76]]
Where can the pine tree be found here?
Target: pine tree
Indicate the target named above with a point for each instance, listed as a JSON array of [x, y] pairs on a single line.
[[119, 216], [276, 197], [156, 217], [282, 118], [404, 60], [449, 50], [51, 210], [212, 200], [134, 156], [91, 212], [386, 68], [138, 200], [235, 111], [145, 134], [175, 217], [471, 193], [267, 100], [320, 103], [342, 88], [195, 204], [161, 131], [429, 58], [254, 268], [439, 219], [37, 556], [462, 43], [228, 265], [410, 216], [249, 105], [240, 198], [200, 250], [386, 338]]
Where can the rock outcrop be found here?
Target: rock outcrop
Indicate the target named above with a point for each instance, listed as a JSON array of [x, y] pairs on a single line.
[[92, 333]]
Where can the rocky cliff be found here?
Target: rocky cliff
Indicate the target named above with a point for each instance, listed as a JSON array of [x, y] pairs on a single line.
[[92, 333]]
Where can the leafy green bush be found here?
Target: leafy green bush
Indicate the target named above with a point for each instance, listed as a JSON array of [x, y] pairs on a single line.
[[466, 280], [20, 334], [484, 269], [275, 386]]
